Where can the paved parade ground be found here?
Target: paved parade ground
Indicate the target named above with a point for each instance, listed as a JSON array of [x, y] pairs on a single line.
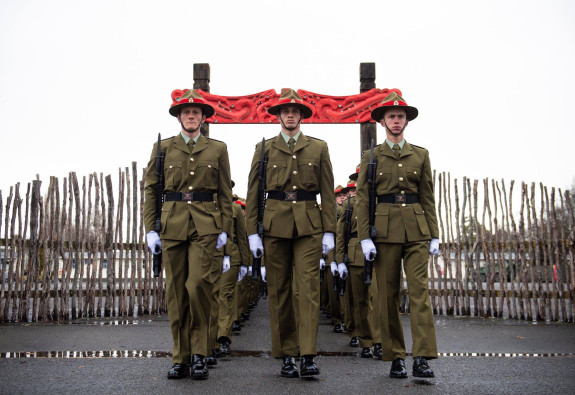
[[477, 355]]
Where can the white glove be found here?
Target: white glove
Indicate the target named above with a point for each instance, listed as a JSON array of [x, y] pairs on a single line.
[[242, 273], [256, 245], [333, 267], [222, 239], [327, 242], [263, 270], [249, 271], [226, 266], [154, 242], [434, 247], [342, 269], [321, 263], [368, 249]]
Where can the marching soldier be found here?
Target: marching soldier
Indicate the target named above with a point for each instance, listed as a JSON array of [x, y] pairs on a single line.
[[297, 232], [405, 223], [196, 219]]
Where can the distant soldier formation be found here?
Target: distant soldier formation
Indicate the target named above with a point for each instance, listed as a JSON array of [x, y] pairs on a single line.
[[295, 239]]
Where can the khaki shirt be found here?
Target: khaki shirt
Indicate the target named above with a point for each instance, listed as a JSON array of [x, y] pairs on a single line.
[[205, 169], [308, 168], [410, 174]]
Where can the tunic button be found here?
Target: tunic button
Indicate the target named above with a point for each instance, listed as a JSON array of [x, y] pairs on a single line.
[[400, 165], [189, 202], [294, 187], [171, 167], [380, 174], [275, 166], [192, 159], [403, 205], [403, 192], [293, 156], [209, 166], [190, 188], [400, 178], [414, 172], [293, 201], [309, 164], [295, 173], [192, 173]]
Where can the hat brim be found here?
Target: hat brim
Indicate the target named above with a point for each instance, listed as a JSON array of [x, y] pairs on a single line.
[[306, 111], [207, 110], [353, 176], [377, 113]]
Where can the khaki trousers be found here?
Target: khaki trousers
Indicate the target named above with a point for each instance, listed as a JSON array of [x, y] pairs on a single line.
[[288, 260], [228, 287], [388, 261], [359, 293], [189, 286]]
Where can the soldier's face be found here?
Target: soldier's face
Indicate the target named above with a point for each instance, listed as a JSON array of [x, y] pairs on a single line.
[[352, 192], [191, 118], [339, 198], [290, 117], [394, 121]]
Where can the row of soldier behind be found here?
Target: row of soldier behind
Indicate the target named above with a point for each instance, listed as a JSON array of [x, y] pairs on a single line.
[[191, 221]]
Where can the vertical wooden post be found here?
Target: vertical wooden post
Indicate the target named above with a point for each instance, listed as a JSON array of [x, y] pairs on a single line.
[[202, 81], [368, 131]]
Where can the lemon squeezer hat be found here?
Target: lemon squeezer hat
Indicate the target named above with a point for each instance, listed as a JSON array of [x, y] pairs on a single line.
[[354, 176], [393, 101], [339, 189], [290, 98], [190, 97]]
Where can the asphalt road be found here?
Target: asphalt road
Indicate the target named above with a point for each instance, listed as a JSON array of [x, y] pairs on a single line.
[[132, 355]]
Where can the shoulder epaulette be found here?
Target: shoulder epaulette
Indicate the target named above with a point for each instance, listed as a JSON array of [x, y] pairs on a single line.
[[219, 141], [417, 146]]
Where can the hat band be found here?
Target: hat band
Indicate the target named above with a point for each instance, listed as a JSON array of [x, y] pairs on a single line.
[[194, 101], [394, 103], [291, 101]]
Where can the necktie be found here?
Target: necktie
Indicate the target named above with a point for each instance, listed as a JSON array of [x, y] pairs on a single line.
[[396, 150], [291, 143]]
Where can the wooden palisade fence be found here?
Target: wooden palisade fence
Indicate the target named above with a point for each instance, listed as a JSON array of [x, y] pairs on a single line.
[[78, 251]]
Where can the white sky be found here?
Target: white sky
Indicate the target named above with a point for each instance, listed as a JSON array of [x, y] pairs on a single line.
[[85, 86]]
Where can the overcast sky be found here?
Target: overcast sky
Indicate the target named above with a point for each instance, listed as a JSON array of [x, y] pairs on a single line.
[[85, 86]]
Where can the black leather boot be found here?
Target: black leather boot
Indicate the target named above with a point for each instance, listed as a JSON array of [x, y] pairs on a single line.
[[199, 367]]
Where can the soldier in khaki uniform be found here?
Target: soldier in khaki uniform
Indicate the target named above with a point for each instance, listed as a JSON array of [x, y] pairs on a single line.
[[405, 221], [297, 232], [196, 219]]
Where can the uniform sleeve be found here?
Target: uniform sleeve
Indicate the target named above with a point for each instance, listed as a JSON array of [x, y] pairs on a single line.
[[427, 197], [339, 240], [252, 195], [362, 200], [328, 215], [225, 198], [150, 193], [242, 237]]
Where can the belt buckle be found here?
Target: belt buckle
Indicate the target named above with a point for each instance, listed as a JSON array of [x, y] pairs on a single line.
[[291, 196], [188, 196], [400, 199]]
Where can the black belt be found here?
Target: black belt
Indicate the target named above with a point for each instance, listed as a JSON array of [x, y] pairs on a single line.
[[292, 196], [189, 197], [398, 198]]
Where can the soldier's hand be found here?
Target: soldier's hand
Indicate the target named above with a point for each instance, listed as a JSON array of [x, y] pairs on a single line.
[[249, 271], [256, 245], [434, 247], [333, 267], [342, 269], [154, 242], [242, 273], [328, 242], [263, 271], [222, 239], [368, 249], [321, 263], [226, 266]]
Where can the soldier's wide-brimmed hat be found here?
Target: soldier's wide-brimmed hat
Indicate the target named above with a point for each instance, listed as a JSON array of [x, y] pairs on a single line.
[[353, 176], [339, 189], [393, 101], [351, 183], [290, 98], [190, 97]]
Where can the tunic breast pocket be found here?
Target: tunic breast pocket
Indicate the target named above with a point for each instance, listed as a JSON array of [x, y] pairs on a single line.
[[173, 174], [309, 174], [207, 173], [413, 176], [383, 179], [276, 175]]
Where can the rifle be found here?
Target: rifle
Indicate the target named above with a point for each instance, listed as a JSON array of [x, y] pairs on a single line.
[[160, 156], [263, 163], [371, 172]]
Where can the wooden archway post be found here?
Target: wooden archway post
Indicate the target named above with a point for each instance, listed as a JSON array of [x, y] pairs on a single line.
[[368, 130], [202, 81]]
